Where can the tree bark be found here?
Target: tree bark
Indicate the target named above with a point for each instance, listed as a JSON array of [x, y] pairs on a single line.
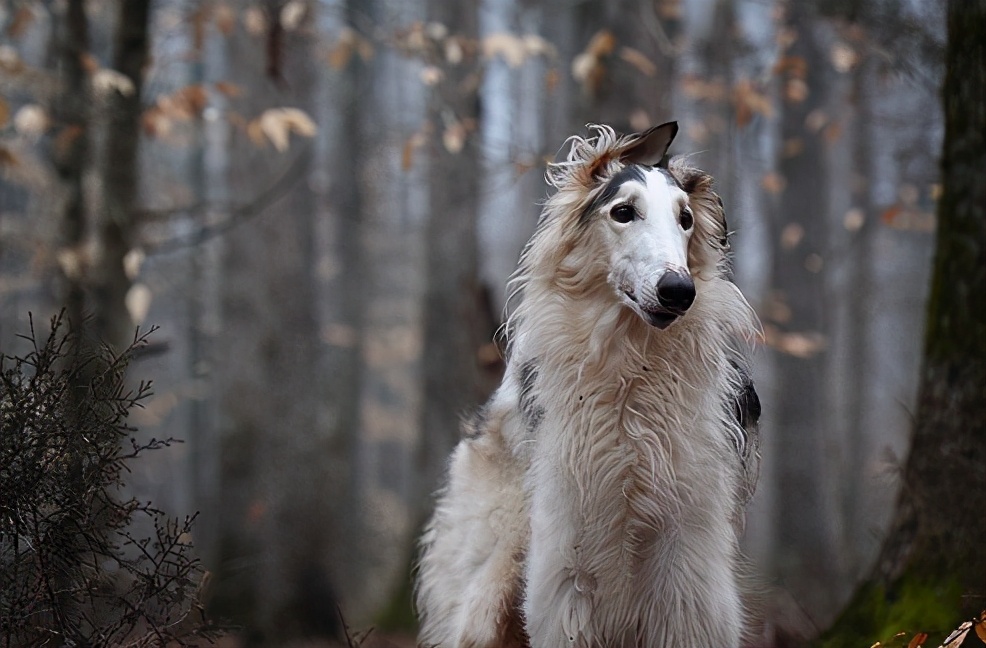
[[71, 151], [120, 174], [804, 533], [932, 569]]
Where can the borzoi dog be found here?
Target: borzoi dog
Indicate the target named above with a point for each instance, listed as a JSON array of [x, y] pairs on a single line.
[[595, 499]]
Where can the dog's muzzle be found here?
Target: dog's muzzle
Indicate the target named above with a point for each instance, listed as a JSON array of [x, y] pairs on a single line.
[[675, 294]]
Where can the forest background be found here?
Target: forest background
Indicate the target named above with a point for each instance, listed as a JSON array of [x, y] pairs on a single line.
[[319, 203]]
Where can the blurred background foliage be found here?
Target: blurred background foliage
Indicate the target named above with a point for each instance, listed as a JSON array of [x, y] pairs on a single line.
[[319, 202]]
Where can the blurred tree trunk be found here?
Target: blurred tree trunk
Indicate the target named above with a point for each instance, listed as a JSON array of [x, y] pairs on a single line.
[[120, 173], [932, 568], [452, 312], [70, 152], [808, 564], [273, 577]]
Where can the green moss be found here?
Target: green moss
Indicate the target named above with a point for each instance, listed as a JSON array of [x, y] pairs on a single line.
[[399, 616], [910, 606]]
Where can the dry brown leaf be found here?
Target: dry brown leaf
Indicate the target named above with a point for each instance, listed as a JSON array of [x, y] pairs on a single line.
[[795, 91], [798, 344], [773, 182], [410, 145], [639, 60], [602, 43], [292, 13], [918, 640], [981, 626], [454, 137], [22, 19], [843, 56], [256, 133], [507, 46], [255, 21], [225, 18], [7, 158], [791, 236], [4, 112], [105, 81], [227, 89], [749, 100], [277, 124]]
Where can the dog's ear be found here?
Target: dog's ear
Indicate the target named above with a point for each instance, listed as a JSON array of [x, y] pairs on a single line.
[[650, 148]]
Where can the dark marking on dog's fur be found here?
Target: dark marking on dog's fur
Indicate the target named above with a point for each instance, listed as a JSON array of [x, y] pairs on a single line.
[[530, 410], [746, 404], [621, 177], [474, 425]]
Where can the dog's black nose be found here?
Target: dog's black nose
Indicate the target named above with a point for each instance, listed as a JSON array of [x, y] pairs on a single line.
[[676, 291]]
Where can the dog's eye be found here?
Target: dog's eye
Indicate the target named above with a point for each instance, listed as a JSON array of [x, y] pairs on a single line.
[[623, 213], [686, 219]]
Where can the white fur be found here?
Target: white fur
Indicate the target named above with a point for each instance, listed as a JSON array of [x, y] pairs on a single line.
[[594, 503]]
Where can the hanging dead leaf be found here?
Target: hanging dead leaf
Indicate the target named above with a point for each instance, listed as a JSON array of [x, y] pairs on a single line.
[[277, 124], [773, 182], [138, 302], [255, 21], [816, 120], [410, 145], [10, 61], [792, 66], [7, 158], [795, 91], [814, 263], [454, 137], [256, 133], [227, 89], [454, 52], [792, 147], [535, 45], [843, 56], [225, 18], [854, 219], [292, 13], [20, 21], [106, 81], [66, 138], [639, 60], [602, 43], [918, 640], [551, 79], [791, 236], [749, 100], [507, 46], [431, 75], [798, 344]]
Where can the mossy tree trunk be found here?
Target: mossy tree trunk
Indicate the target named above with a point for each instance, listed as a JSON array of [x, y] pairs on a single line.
[[932, 568]]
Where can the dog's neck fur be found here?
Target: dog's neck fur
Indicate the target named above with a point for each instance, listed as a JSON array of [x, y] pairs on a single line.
[[629, 434]]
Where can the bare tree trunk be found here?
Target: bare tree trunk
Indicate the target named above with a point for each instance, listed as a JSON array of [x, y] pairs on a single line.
[[111, 319], [452, 312], [273, 576], [71, 110], [808, 563], [934, 548]]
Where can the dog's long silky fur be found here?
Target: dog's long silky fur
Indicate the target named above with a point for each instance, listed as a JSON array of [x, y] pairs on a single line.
[[594, 501]]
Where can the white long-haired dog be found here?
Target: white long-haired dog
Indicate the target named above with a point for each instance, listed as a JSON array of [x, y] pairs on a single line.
[[595, 499]]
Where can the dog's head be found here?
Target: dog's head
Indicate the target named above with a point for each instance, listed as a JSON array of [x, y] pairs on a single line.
[[652, 227]]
